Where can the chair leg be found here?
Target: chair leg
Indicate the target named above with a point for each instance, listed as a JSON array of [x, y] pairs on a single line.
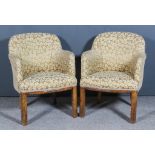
[[99, 97], [23, 97], [20, 98], [82, 102], [133, 98], [74, 102]]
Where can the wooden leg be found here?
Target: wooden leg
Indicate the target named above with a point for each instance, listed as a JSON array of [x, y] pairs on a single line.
[[99, 97], [20, 101], [82, 102], [23, 106], [133, 97], [74, 102]]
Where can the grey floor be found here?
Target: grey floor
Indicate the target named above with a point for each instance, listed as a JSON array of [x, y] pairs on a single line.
[[111, 114]]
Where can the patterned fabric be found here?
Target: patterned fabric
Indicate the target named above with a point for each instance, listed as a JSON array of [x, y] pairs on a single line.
[[47, 81], [118, 57], [39, 53], [110, 80], [119, 43]]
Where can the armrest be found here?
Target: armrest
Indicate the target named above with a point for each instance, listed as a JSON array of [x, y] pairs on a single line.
[[67, 62], [88, 63], [137, 68], [16, 69]]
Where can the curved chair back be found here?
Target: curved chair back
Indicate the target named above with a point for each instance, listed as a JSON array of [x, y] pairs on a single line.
[[33, 43], [119, 43], [37, 51]]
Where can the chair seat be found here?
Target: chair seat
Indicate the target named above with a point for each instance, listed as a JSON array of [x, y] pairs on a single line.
[[47, 81], [110, 80]]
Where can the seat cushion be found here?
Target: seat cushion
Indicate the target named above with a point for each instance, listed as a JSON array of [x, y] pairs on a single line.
[[110, 80], [47, 81]]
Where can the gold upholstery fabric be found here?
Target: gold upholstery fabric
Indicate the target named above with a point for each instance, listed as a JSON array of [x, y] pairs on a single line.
[[116, 61], [47, 81], [40, 64]]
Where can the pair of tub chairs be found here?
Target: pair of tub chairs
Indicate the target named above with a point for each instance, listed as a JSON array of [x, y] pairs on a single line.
[[114, 64]]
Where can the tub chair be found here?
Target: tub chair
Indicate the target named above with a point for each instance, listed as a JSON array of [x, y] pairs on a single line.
[[114, 64], [40, 66]]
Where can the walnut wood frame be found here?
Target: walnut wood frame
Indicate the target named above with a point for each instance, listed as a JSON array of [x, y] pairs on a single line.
[[133, 98], [23, 102]]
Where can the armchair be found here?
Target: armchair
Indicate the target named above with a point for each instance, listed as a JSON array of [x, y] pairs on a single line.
[[114, 64], [41, 66]]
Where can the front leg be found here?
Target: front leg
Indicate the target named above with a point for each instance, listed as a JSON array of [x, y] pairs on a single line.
[[23, 97], [82, 102], [74, 102], [133, 97]]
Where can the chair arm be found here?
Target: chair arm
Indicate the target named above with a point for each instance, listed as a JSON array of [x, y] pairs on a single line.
[[16, 70], [137, 68], [89, 60], [67, 62]]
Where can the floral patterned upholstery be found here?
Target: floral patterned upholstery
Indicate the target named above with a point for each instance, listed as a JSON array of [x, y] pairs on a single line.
[[40, 64], [116, 61], [47, 80]]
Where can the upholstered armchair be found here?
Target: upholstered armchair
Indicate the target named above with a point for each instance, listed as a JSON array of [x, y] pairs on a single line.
[[41, 66], [114, 64]]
